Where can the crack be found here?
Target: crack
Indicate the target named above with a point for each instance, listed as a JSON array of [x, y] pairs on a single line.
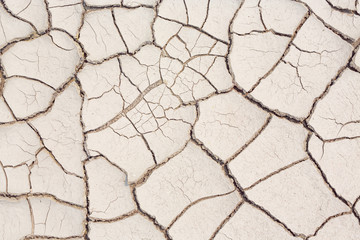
[[332, 82], [275, 172], [148, 216], [261, 15], [328, 26], [49, 237], [32, 216], [195, 27], [353, 209], [256, 134], [124, 216], [65, 5], [127, 109], [333, 190], [113, 164], [326, 221], [118, 29], [207, 14], [263, 31], [49, 16], [247, 200], [199, 143], [263, 107], [223, 163], [24, 8], [287, 49], [50, 152], [2, 81], [19, 18], [45, 195], [187, 13], [142, 180], [194, 203], [9, 108], [222, 224], [343, 10], [86, 177], [144, 139], [6, 178]]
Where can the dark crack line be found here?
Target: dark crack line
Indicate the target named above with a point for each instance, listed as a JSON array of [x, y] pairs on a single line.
[[149, 217], [317, 165], [287, 49], [223, 223]]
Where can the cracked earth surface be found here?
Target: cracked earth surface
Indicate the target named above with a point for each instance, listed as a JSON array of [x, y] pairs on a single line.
[[180, 119]]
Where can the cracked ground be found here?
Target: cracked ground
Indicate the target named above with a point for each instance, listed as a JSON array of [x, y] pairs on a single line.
[[180, 119]]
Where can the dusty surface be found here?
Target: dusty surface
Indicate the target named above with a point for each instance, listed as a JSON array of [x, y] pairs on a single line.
[[180, 119]]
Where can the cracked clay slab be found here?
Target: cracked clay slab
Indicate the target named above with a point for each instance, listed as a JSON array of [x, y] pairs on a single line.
[[179, 119]]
